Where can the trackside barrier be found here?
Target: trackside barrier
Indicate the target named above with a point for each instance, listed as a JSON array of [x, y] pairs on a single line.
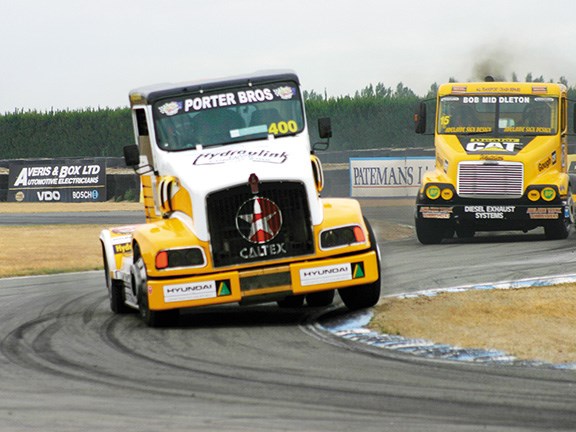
[[122, 183], [388, 177]]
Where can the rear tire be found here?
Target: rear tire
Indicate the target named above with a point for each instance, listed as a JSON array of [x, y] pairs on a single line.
[[364, 296], [117, 301], [115, 290]]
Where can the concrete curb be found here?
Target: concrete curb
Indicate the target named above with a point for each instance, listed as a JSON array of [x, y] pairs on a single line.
[[353, 328]]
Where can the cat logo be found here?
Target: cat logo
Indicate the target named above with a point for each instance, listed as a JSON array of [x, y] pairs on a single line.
[[490, 146]]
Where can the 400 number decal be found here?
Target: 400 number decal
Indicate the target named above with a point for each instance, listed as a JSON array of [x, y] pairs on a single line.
[[283, 127]]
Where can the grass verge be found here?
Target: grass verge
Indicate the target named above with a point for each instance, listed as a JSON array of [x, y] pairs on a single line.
[[530, 323], [47, 249]]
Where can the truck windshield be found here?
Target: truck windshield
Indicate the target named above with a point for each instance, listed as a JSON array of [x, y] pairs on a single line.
[[502, 115], [228, 116]]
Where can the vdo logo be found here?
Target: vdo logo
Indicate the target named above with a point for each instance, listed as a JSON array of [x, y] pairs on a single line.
[[48, 195]]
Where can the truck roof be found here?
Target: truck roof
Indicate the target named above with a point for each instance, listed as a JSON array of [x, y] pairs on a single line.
[[502, 87], [152, 93]]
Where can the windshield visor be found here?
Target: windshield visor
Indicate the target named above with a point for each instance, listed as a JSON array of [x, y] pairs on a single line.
[[228, 116], [502, 115]]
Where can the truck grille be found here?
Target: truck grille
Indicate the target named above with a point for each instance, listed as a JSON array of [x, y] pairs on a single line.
[[272, 224], [490, 180]]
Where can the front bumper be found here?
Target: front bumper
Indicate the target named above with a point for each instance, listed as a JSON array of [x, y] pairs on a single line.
[[503, 214], [263, 284]]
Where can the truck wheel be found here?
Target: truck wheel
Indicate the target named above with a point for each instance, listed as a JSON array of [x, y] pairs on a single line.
[[320, 298], [116, 294], [557, 230], [155, 318], [151, 318], [364, 296], [115, 290], [429, 231], [292, 301], [560, 229]]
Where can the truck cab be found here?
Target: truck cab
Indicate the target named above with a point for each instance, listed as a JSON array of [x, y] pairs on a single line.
[[231, 193], [501, 161]]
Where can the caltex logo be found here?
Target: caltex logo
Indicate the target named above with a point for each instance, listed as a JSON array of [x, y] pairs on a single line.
[[259, 220]]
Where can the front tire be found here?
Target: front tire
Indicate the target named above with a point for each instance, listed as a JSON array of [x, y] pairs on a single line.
[[429, 231], [364, 296], [139, 282], [155, 318], [560, 229]]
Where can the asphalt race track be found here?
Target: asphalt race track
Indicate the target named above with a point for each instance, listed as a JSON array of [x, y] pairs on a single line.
[[68, 364]]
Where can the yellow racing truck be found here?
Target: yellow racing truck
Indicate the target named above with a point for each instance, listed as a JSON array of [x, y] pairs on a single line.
[[231, 193], [501, 161]]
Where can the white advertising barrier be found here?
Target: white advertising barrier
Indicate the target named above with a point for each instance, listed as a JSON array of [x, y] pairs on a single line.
[[388, 176], [57, 180]]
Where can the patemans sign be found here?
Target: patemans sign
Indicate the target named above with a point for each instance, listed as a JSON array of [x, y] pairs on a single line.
[[388, 176], [62, 180]]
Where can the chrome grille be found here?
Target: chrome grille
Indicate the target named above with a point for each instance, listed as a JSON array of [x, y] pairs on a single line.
[[490, 180]]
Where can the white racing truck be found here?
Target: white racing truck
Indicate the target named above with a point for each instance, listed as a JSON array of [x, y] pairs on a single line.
[[231, 192]]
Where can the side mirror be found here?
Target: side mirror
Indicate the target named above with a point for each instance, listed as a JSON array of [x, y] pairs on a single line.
[[132, 155], [325, 132], [420, 119], [325, 127]]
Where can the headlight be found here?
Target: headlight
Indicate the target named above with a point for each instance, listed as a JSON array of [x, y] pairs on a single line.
[[447, 194], [179, 258], [433, 192], [534, 195], [548, 194], [341, 236]]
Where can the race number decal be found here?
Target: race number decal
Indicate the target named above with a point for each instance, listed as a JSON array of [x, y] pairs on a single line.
[[283, 127]]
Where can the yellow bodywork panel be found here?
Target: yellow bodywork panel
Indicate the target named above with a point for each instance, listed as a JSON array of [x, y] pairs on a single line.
[[232, 286], [204, 285]]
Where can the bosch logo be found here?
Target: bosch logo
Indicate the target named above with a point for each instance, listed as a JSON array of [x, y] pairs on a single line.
[[259, 220], [85, 194]]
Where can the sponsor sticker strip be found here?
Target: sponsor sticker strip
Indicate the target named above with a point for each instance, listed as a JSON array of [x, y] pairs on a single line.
[[326, 274], [233, 98], [189, 291], [331, 273], [196, 290], [489, 212]]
